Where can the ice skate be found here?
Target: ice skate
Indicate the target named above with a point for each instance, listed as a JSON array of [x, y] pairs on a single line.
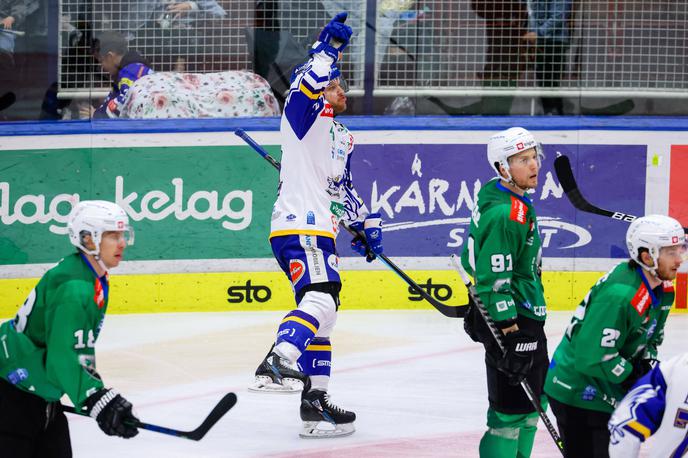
[[322, 419], [277, 375]]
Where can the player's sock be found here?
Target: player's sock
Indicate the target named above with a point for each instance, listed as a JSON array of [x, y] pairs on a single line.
[[526, 435], [316, 362]]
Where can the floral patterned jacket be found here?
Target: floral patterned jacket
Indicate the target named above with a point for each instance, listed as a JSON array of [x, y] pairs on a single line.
[[192, 95]]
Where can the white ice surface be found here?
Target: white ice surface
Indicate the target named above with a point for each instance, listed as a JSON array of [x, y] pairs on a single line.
[[414, 379]]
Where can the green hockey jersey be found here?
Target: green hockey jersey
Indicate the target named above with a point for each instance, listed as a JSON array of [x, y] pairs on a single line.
[[48, 349], [620, 320], [503, 253]]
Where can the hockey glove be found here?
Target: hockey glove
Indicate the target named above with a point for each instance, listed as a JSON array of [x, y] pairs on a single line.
[[640, 368], [473, 322], [368, 242], [519, 349], [333, 38], [112, 412]]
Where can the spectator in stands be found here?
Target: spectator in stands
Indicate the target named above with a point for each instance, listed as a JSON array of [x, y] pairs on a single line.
[[124, 66], [505, 27], [12, 16], [548, 31], [167, 28]]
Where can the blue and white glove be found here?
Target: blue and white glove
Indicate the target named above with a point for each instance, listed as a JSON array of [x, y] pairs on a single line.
[[368, 242], [333, 38]]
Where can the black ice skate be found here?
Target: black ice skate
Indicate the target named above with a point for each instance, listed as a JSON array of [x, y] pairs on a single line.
[[277, 375], [323, 419]]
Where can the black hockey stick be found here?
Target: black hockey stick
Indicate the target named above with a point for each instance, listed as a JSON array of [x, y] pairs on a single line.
[[562, 166], [7, 99], [451, 311], [496, 334], [222, 407]]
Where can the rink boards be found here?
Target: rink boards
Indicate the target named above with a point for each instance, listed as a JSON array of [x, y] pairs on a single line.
[[254, 291], [200, 201]]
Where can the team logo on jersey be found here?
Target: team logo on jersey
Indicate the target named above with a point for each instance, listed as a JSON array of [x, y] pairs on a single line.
[[518, 211], [337, 209], [333, 187], [589, 393], [310, 218], [98, 294], [297, 269], [641, 300], [328, 111], [333, 262]]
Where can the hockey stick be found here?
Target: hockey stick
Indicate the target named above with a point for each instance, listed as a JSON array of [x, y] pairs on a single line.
[[562, 167], [451, 311], [7, 100], [222, 407], [496, 334]]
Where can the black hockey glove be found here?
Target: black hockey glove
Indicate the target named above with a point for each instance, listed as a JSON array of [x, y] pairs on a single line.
[[472, 321], [640, 368], [112, 412], [520, 348]]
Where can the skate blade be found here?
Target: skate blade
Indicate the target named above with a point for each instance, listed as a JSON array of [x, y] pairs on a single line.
[[325, 430], [264, 384]]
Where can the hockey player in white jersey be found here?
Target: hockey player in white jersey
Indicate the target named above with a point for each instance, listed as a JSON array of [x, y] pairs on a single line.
[[315, 193], [657, 405]]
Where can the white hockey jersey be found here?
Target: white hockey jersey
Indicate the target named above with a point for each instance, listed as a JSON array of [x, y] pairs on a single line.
[[656, 406], [315, 190]]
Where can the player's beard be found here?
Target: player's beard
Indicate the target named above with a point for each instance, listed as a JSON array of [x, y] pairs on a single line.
[[338, 107]]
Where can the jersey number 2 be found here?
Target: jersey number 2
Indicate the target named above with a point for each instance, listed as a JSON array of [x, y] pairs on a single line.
[[609, 337]]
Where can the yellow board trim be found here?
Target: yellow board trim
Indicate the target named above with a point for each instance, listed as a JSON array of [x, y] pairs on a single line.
[[362, 290], [301, 321], [642, 429], [319, 348]]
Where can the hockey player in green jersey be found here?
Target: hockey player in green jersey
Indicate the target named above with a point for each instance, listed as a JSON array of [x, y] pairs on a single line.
[[613, 335], [48, 349], [503, 253]]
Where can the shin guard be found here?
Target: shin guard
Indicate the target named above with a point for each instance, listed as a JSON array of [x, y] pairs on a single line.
[[298, 329]]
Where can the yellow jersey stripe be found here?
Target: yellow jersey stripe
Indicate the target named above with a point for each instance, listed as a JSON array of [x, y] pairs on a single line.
[[307, 92], [642, 429], [300, 232], [319, 347]]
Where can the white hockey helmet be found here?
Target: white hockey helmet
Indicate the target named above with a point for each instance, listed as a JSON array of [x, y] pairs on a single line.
[[653, 232], [502, 145], [93, 217]]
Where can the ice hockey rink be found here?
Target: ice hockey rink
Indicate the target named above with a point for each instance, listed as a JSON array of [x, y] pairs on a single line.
[[414, 379]]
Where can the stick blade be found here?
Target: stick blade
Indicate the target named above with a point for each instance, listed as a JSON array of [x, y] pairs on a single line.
[[222, 407], [562, 167]]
